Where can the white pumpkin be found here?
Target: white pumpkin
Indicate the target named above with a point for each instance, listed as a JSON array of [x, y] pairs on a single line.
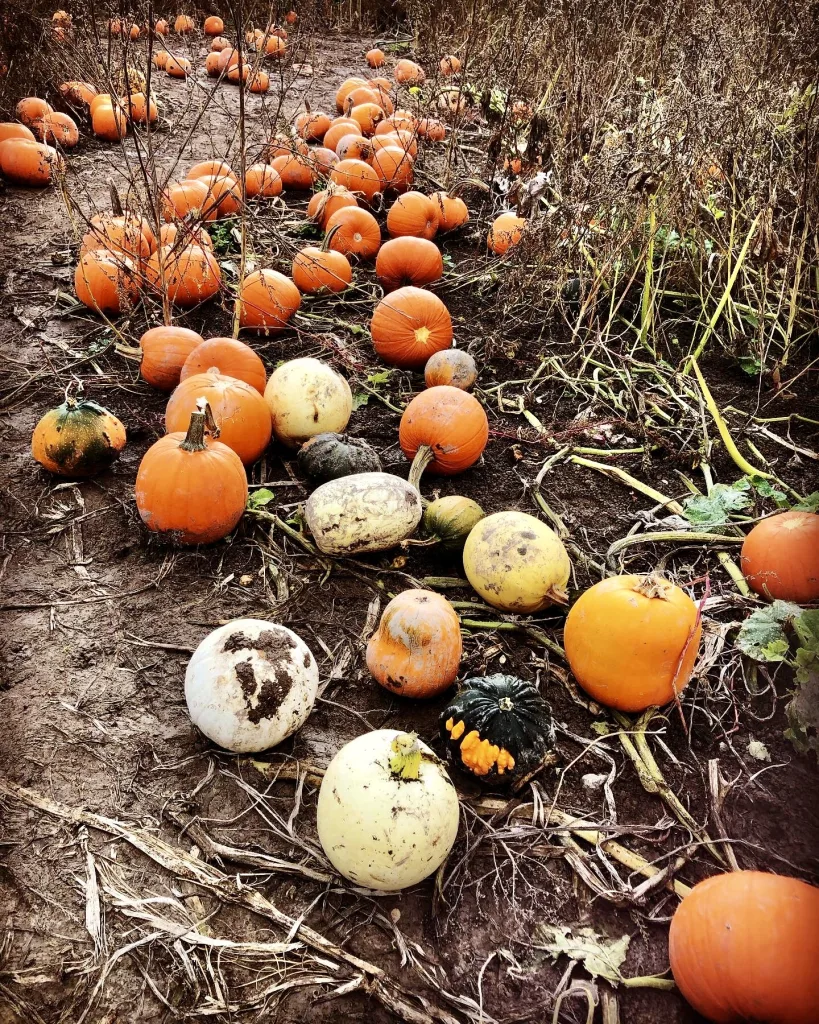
[[250, 684], [387, 811], [307, 397], [362, 512]]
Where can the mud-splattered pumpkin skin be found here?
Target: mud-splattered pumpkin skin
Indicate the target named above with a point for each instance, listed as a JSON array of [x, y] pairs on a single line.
[[498, 728], [77, 439], [250, 684], [331, 456]]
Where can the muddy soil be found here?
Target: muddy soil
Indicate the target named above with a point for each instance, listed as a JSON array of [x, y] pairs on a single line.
[[99, 621]]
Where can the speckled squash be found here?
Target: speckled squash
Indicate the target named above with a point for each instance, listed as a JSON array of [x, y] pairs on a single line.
[[77, 439]]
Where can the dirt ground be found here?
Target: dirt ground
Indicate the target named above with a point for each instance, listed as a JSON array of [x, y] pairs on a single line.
[[99, 621]]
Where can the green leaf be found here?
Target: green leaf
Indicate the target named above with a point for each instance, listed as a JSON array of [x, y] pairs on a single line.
[[765, 490], [260, 498], [712, 510], [751, 365], [809, 504], [360, 398], [762, 635], [601, 956], [382, 377], [497, 101]]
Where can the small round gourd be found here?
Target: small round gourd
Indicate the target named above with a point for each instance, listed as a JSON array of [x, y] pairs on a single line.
[[77, 439], [250, 684], [449, 520], [451, 366], [387, 813], [307, 397], [498, 727], [780, 557], [331, 456]]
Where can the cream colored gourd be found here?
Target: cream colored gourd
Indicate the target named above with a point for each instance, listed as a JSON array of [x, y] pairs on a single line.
[[516, 563], [250, 684], [362, 512], [387, 812], [307, 397]]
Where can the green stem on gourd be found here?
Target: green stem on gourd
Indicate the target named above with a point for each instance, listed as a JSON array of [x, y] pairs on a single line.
[[405, 761], [422, 459], [201, 420], [325, 245]]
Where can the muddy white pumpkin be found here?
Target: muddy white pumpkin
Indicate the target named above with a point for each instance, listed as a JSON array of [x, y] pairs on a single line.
[[307, 397], [363, 512], [250, 684], [387, 811]]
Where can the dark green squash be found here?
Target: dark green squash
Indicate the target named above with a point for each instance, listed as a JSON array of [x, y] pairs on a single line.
[[331, 456], [499, 728], [448, 521]]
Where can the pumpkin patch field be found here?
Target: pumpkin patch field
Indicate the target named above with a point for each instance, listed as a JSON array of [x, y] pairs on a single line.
[[409, 583]]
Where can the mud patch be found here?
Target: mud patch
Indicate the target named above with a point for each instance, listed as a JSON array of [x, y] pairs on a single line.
[[263, 699], [271, 644]]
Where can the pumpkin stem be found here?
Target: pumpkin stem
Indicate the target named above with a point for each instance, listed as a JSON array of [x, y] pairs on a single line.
[[325, 245], [405, 761], [201, 420], [558, 595], [422, 459], [654, 585]]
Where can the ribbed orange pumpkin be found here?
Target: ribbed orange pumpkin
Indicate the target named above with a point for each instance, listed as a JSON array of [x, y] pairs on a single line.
[[408, 260], [346, 88], [358, 232], [31, 110], [321, 270], [340, 129], [780, 557], [450, 65], [244, 420], [407, 72], [443, 428], [505, 233], [631, 641], [218, 44], [368, 115], [451, 366], [262, 180], [452, 211], [187, 197], [160, 59], [105, 283], [432, 129], [211, 169], [190, 487], [13, 130], [223, 199], [394, 169], [259, 81], [143, 110], [416, 650], [118, 236], [413, 214], [59, 129], [744, 947], [231, 358], [356, 176], [375, 58], [164, 353], [109, 122], [188, 275], [354, 147], [28, 163], [268, 301], [323, 160], [312, 125], [184, 24], [178, 235], [295, 171], [408, 326]]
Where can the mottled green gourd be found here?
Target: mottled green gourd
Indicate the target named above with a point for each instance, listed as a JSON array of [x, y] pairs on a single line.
[[449, 521], [77, 439], [331, 456]]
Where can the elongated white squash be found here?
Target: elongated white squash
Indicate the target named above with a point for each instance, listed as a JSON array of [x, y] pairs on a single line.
[[363, 512]]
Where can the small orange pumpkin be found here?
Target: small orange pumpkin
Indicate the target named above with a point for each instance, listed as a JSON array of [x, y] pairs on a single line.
[[451, 366], [375, 58], [416, 650], [184, 199], [505, 233], [244, 420], [213, 26], [28, 163], [394, 169], [275, 47], [346, 88], [231, 358], [164, 353], [358, 232], [188, 276], [259, 81], [408, 260], [118, 236], [450, 65], [77, 439], [432, 129], [178, 67], [780, 557], [223, 199], [631, 641], [212, 69], [31, 110], [218, 44], [324, 204], [284, 145], [357, 177], [408, 326], [413, 214], [295, 171], [190, 487], [143, 110], [183, 25], [321, 270], [210, 169], [105, 283], [78, 94], [312, 125], [338, 130], [268, 300], [354, 146], [109, 122], [368, 115], [324, 160], [407, 72], [443, 428], [160, 59], [452, 211], [162, 28], [262, 180]]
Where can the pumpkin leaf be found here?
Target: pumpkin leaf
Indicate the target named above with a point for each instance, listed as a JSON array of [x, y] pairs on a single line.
[[381, 377], [712, 510], [803, 709], [360, 398], [602, 957], [260, 498], [809, 504], [762, 635], [764, 489]]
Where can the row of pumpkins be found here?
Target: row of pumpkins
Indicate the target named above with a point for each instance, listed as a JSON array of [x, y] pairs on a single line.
[[387, 813]]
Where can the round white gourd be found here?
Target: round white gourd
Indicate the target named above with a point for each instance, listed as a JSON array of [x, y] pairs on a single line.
[[385, 828], [307, 397], [250, 684]]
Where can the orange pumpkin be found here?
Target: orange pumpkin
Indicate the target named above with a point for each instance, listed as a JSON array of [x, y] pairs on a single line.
[[28, 163], [443, 428], [164, 353], [384, 85], [183, 199], [358, 232], [275, 47], [368, 116], [400, 121], [177, 235], [324, 160], [324, 204], [354, 146], [338, 130], [262, 180], [452, 211], [109, 122], [394, 169], [188, 276], [178, 67], [284, 145], [105, 283], [218, 44], [211, 169], [238, 72], [505, 233], [78, 94], [451, 366], [780, 557], [413, 214], [408, 260], [77, 439], [631, 641], [190, 487], [345, 89], [212, 69], [31, 110], [312, 125], [259, 81], [404, 140], [408, 326], [183, 24], [375, 58], [407, 72], [744, 947], [161, 28], [13, 130], [244, 420], [450, 65], [416, 650], [321, 270], [229, 58], [223, 199], [362, 94], [214, 26], [231, 358], [142, 109], [160, 59], [432, 129], [118, 236], [268, 300], [357, 177], [295, 171]]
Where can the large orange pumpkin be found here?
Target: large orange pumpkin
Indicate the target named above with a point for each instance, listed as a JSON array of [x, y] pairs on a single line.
[[244, 419], [311, 125], [28, 163], [77, 439], [262, 180], [188, 276], [109, 122], [118, 236], [413, 261], [59, 129], [267, 301], [224, 196], [780, 557], [214, 26], [409, 325], [631, 641], [413, 214], [31, 110], [354, 147], [394, 168], [191, 488], [346, 88], [184, 24], [407, 72], [358, 232], [339, 129], [416, 650], [295, 171], [357, 177], [13, 130], [744, 947], [104, 282], [164, 353], [443, 428], [452, 211], [231, 358]]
